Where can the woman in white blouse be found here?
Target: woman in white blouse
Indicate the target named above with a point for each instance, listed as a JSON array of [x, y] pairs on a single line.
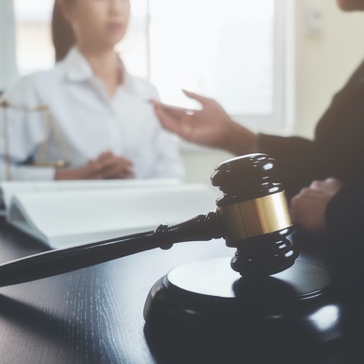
[[104, 125]]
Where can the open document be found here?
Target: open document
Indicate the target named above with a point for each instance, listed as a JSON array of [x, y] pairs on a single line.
[[67, 218], [8, 189]]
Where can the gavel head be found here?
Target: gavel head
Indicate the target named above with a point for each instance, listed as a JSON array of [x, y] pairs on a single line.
[[255, 215]]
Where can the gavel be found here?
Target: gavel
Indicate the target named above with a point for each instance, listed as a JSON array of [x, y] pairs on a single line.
[[252, 216], [275, 302]]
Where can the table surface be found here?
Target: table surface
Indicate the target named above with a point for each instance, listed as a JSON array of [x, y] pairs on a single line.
[[95, 315]]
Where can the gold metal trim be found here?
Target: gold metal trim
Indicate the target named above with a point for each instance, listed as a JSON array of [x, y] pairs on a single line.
[[49, 127], [260, 216]]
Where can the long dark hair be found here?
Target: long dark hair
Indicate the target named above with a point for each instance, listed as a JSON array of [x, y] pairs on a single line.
[[62, 34]]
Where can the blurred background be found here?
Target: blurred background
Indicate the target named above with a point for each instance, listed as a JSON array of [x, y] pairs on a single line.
[[274, 64]]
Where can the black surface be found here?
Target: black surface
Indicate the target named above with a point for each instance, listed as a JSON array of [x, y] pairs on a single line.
[[59, 261], [95, 315], [301, 308]]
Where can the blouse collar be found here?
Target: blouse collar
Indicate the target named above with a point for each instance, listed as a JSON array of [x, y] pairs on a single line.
[[77, 68]]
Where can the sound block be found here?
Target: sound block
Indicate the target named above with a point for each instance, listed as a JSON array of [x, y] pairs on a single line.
[[206, 303]]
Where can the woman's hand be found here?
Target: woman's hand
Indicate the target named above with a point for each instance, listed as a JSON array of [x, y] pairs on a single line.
[[114, 167], [106, 166], [309, 205], [211, 126]]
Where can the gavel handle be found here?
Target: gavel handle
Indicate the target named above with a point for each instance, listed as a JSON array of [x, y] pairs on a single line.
[[54, 262]]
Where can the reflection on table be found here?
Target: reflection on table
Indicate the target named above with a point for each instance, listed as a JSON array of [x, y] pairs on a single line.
[[95, 315]]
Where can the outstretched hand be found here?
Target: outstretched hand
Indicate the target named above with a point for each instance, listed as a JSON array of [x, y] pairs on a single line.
[[308, 207], [211, 126]]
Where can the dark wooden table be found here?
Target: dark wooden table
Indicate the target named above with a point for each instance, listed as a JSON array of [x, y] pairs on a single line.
[[95, 315]]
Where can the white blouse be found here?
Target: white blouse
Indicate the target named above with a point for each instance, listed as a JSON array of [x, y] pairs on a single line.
[[86, 122]]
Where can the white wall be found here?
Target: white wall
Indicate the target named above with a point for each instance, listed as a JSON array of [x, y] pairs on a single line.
[[324, 61], [200, 164]]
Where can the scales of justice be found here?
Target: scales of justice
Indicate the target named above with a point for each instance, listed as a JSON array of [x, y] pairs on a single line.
[[261, 296], [49, 130]]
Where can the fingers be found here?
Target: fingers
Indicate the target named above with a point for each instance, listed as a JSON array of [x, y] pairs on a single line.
[[201, 99], [166, 108], [90, 171], [305, 200], [104, 157], [106, 166], [329, 186], [307, 210], [308, 192], [308, 207], [334, 184], [168, 120], [317, 185], [327, 182], [111, 166], [117, 169], [175, 121], [118, 172]]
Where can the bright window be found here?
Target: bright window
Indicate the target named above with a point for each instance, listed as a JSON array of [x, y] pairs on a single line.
[[34, 49], [223, 49], [231, 50]]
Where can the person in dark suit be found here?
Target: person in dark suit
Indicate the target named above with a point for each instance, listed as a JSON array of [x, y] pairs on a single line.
[[337, 150]]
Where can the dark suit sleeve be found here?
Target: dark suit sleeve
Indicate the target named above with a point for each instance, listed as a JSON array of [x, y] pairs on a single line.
[[293, 155], [337, 149], [345, 211]]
